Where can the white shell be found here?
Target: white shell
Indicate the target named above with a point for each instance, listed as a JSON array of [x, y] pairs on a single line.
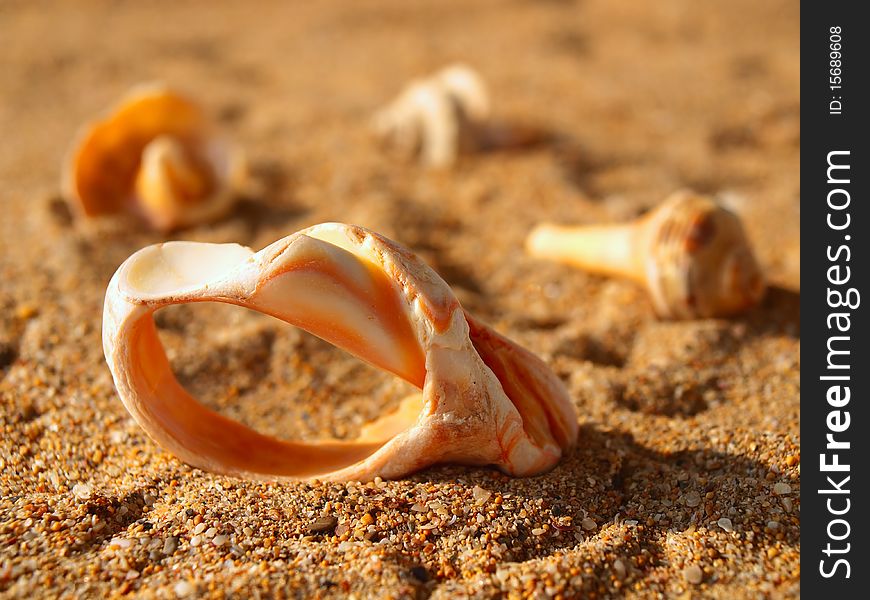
[[436, 116]]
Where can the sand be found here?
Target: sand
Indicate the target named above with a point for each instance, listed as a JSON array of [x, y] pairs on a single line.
[[686, 478]]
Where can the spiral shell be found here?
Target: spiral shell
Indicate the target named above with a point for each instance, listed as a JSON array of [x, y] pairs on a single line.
[[699, 262], [691, 254], [157, 156]]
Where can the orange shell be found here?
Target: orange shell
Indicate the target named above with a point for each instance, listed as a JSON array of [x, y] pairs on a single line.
[[101, 171], [483, 399]]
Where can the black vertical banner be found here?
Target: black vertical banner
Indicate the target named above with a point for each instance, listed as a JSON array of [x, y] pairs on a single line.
[[835, 223]]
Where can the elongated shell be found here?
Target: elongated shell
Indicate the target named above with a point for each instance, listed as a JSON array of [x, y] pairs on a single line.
[[698, 261], [484, 400], [155, 155]]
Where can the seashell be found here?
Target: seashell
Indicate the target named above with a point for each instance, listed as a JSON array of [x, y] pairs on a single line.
[[436, 117], [155, 155], [691, 254], [484, 401]]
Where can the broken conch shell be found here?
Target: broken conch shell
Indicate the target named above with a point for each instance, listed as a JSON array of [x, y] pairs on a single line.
[[436, 117], [155, 155], [691, 254], [484, 401]]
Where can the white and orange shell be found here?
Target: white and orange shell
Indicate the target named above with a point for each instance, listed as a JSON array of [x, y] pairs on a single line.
[[155, 155], [436, 117], [484, 401], [692, 255]]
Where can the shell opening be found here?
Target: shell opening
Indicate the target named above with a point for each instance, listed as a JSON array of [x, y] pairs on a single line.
[[179, 268]]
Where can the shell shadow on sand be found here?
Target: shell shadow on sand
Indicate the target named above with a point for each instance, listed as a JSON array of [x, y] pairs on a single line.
[[619, 491]]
